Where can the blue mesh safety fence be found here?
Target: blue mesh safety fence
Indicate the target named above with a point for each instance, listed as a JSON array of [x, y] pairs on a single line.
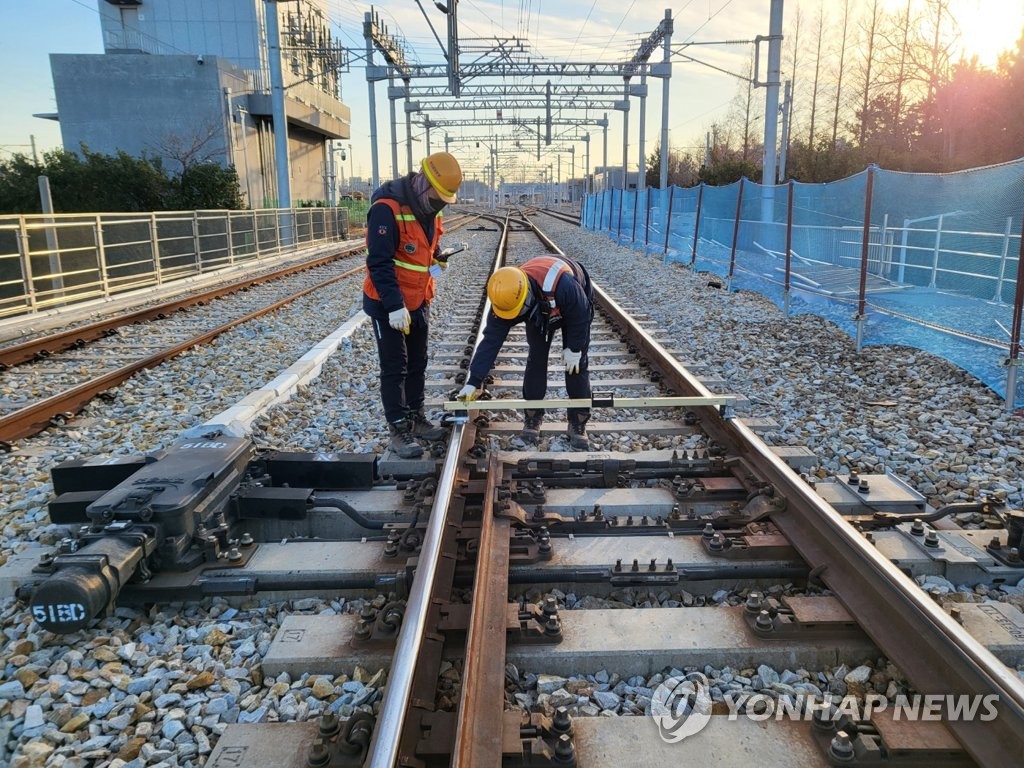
[[938, 269]]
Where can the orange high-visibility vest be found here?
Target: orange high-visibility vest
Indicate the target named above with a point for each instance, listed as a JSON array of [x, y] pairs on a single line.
[[412, 259], [546, 271]]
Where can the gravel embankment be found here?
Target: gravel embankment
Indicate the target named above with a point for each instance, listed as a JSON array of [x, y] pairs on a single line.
[[157, 689]]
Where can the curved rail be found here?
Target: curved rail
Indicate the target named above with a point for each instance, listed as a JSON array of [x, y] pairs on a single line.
[[34, 418], [936, 654]]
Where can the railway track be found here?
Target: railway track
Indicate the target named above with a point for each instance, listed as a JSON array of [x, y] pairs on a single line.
[[769, 572], [46, 380]]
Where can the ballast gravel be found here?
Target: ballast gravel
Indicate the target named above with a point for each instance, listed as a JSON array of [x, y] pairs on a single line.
[[158, 688]]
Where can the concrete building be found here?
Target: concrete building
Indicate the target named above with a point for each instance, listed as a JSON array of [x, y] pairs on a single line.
[[189, 81]]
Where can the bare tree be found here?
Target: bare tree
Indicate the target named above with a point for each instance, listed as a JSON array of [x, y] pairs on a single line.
[[202, 144], [817, 71], [840, 71], [870, 26], [794, 68]]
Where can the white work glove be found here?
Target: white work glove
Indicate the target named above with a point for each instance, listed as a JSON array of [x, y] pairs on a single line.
[[571, 360], [400, 320], [467, 394], [437, 267]]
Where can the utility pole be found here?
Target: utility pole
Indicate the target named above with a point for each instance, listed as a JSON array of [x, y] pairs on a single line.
[[408, 128], [368, 27], [604, 144], [394, 130], [771, 112], [666, 74], [586, 176], [624, 106], [784, 151], [283, 169]]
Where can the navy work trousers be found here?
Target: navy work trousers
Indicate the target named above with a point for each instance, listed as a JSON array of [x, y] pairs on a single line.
[[535, 381], [403, 366]]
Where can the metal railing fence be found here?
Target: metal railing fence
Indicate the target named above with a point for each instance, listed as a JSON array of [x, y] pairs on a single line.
[[53, 260], [923, 260]]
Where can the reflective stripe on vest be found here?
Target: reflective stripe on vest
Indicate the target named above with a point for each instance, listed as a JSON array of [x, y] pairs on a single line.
[[547, 271], [411, 268]]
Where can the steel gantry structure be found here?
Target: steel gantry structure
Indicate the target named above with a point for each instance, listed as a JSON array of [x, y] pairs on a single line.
[[509, 60], [467, 88]]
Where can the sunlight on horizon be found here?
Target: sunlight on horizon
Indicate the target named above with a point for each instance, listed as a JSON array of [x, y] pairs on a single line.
[[987, 27]]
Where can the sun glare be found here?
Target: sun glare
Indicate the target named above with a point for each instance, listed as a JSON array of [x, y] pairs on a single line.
[[988, 27]]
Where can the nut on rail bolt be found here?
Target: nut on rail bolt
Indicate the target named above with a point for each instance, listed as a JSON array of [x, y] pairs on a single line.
[[319, 756], [550, 606], [754, 602], [561, 723], [841, 748], [917, 527], [565, 751], [329, 725], [931, 539], [764, 622]]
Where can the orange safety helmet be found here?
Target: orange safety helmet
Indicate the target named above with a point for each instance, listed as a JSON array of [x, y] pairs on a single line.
[[444, 174], [507, 289]]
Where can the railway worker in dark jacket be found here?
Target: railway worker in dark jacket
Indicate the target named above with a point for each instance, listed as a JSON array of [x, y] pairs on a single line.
[[403, 229], [547, 293]]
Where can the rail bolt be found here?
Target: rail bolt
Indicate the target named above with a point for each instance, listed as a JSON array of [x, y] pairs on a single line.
[[764, 622], [247, 540], [562, 722], [931, 539], [550, 606], [841, 747], [917, 527], [709, 531], [824, 717], [318, 756], [753, 603], [553, 627], [565, 751], [329, 725]]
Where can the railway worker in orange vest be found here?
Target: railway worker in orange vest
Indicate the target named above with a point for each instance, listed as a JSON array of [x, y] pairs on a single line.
[[548, 293], [403, 229]]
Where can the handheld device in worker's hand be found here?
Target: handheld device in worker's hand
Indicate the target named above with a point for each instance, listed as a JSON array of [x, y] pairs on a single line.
[[447, 253]]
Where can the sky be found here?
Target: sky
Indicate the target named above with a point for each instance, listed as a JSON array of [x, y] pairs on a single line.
[[556, 30]]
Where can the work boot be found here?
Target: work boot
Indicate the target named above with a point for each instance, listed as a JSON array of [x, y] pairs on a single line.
[[578, 439], [424, 427], [531, 427], [401, 440]]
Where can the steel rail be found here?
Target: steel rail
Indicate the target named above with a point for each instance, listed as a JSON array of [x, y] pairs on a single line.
[[478, 737], [936, 654], [33, 349], [386, 742], [34, 418], [393, 709]]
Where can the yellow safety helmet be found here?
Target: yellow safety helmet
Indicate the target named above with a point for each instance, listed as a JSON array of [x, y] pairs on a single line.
[[507, 289], [444, 174]]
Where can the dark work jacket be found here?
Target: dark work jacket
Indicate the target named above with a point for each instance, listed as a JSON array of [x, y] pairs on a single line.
[[575, 299], [382, 243]]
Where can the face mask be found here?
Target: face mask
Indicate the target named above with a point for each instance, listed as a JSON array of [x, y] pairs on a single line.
[[435, 204], [421, 188]]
